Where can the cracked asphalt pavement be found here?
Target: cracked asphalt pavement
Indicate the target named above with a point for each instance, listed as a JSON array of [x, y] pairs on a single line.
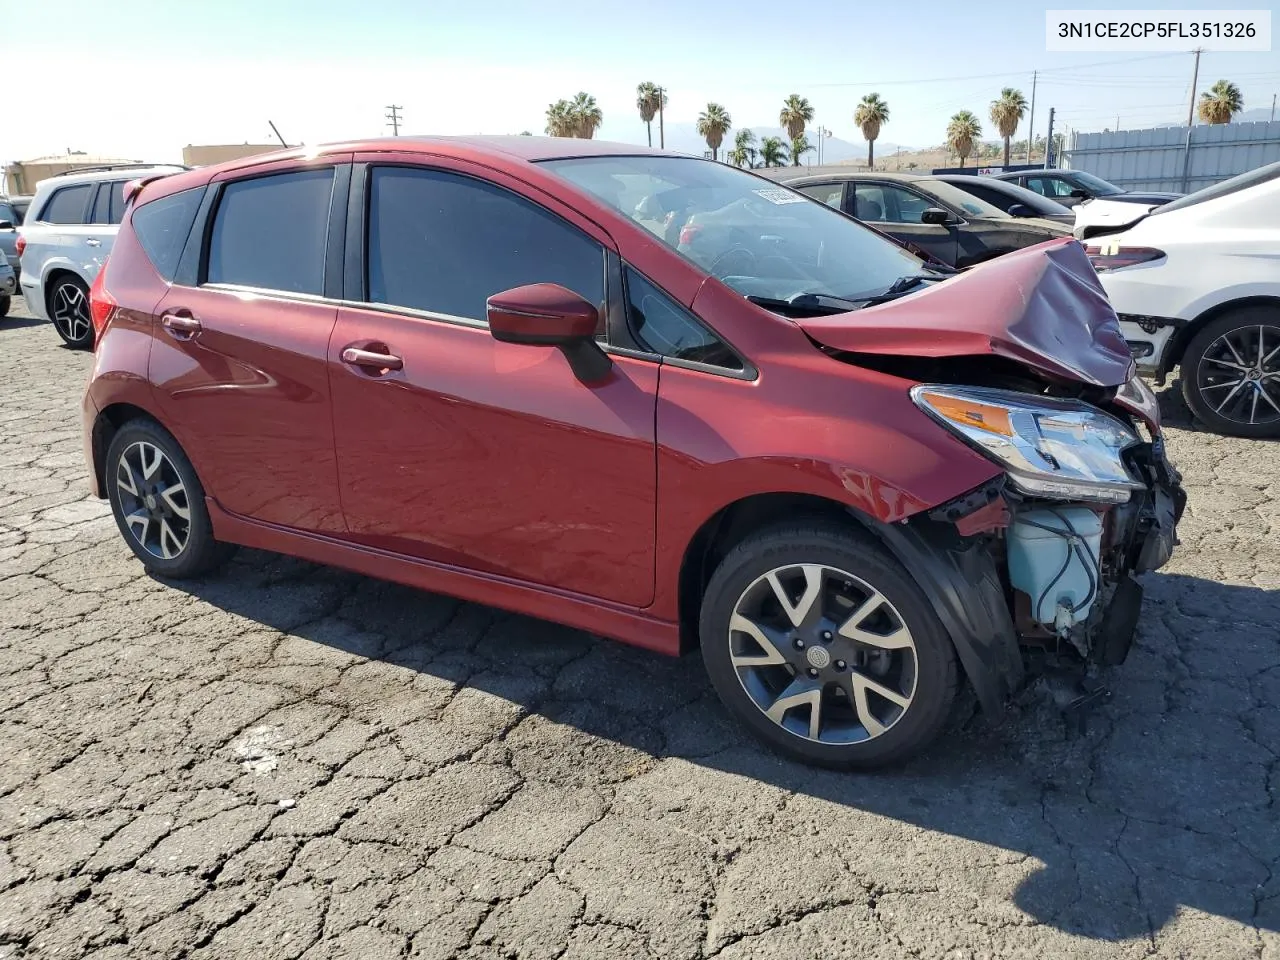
[[292, 761]]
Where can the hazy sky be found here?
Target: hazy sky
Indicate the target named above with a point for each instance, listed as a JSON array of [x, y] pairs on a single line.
[[140, 79]]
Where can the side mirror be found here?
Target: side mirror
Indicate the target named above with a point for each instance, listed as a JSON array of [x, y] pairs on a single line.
[[936, 215], [6, 224], [1020, 210], [1079, 194], [546, 314]]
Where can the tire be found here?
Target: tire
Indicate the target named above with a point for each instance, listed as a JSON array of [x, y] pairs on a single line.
[[155, 504], [68, 306], [1211, 369], [916, 663], [5, 303]]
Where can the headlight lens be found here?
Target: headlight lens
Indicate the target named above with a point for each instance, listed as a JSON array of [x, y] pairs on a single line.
[[1056, 448]]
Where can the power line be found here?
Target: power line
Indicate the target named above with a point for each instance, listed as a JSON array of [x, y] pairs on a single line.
[[988, 76]]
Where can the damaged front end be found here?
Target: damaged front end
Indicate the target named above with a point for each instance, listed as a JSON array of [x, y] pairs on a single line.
[[1023, 360], [1038, 566]]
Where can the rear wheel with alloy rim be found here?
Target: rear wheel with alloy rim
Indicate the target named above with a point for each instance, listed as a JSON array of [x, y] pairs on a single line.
[[158, 502], [1231, 373], [825, 647], [69, 311]]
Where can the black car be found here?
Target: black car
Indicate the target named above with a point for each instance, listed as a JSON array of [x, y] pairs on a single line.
[[925, 212], [1072, 187], [1012, 199]]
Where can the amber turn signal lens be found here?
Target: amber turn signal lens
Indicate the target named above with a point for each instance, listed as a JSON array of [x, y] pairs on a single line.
[[971, 413]]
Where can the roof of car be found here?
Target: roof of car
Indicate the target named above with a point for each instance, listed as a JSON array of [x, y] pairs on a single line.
[[129, 172], [516, 147], [787, 175], [1037, 172]]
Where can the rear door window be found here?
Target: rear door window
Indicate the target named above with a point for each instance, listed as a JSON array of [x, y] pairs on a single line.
[[67, 205], [271, 232], [162, 227], [108, 206], [444, 243]]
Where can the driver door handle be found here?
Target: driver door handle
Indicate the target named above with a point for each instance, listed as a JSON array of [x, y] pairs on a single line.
[[368, 358]]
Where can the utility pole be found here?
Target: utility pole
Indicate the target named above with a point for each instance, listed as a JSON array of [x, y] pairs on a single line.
[[393, 118], [1195, 77], [662, 138], [1273, 106], [1031, 122], [1048, 141]]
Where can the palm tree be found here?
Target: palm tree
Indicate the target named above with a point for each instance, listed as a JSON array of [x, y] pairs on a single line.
[[799, 147], [1006, 114], [586, 116], [962, 133], [773, 152], [744, 151], [650, 100], [871, 115], [713, 123], [1220, 102], [796, 112], [560, 119]]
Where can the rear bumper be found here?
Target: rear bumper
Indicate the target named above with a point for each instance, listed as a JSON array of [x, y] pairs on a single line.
[[89, 423], [30, 289]]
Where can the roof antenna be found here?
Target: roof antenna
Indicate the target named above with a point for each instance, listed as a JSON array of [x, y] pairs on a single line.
[[277, 133]]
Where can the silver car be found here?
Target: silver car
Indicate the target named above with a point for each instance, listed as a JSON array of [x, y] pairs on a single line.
[[67, 234]]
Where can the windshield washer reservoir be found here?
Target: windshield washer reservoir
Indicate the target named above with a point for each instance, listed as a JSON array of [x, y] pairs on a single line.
[[1053, 559]]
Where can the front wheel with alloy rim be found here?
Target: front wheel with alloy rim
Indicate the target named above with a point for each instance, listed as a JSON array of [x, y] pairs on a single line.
[[823, 645], [1231, 373], [158, 502], [69, 311]]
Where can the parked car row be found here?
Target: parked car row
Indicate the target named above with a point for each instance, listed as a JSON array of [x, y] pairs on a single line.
[[649, 396]]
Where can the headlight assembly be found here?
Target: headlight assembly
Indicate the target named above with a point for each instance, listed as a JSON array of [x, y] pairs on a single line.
[[1063, 449]]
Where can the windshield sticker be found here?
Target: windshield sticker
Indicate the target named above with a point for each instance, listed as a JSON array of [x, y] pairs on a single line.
[[778, 195]]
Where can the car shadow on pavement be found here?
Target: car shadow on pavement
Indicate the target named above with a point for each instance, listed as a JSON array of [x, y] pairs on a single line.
[[1163, 802], [14, 323]]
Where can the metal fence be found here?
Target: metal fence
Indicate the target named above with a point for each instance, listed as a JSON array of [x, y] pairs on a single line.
[[1174, 158]]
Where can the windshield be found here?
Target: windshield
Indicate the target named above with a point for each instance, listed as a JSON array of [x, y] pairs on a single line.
[[1095, 185], [1241, 181], [762, 239]]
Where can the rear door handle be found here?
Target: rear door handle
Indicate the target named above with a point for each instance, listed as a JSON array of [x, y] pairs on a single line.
[[94, 242], [180, 327], [369, 359]]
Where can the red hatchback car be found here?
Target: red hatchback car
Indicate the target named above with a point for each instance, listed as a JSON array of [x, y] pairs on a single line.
[[649, 396]]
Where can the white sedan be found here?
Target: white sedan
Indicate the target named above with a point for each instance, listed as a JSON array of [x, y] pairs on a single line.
[[1196, 284]]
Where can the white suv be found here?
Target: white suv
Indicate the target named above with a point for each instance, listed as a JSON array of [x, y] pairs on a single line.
[[64, 241]]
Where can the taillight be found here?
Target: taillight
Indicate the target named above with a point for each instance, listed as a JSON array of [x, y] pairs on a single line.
[[688, 232], [20, 245], [101, 304], [1106, 258]]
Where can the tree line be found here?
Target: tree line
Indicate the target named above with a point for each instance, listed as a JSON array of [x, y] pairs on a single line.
[[581, 117]]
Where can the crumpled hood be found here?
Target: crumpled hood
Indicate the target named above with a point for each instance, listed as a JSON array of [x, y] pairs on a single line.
[[1041, 306]]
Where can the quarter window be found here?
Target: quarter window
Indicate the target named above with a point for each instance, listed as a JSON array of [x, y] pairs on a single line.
[[67, 205], [664, 327], [444, 243], [162, 226], [270, 232]]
